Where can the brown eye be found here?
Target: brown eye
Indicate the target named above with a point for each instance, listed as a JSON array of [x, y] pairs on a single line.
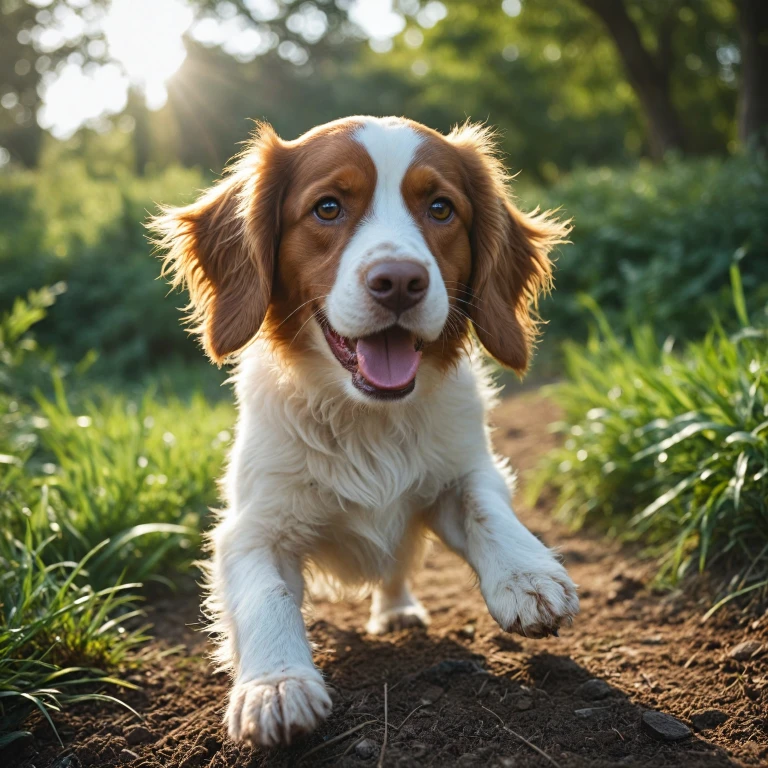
[[328, 209], [441, 210]]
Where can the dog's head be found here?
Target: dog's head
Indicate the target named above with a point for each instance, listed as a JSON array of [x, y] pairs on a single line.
[[373, 243]]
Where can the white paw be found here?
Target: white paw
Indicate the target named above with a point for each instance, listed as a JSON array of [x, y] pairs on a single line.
[[395, 619], [272, 710], [533, 603]]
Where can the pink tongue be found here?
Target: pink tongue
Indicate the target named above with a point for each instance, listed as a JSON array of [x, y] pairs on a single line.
[[387, 359]]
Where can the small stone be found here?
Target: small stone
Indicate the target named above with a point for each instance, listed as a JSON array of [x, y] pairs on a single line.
[[744, 651], [522, 703], [664, 727], [593, 690], [708, 719], [139, 735], [366, 749], [126, 756], [508, 762], [468, 631], [431, 694], [589, 712]]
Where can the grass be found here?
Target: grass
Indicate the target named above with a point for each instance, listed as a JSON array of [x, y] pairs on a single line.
[[670, 448], [57, 634], [99, 492]]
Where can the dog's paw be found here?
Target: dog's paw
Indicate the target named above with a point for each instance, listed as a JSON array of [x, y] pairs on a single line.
[[395, 619], [535, 602], [272, 710]]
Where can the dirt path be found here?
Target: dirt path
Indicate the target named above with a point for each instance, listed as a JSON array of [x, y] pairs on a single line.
[[451, 687]]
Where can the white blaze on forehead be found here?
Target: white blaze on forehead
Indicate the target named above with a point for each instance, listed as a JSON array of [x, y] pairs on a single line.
[[386, 232], [392, 146]]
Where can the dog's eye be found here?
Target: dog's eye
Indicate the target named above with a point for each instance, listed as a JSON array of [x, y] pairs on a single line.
[[441, 210], [328, 209]]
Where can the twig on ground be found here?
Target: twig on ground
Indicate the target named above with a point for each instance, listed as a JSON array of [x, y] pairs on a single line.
[[485, 682], [359, 741], [522, 738], [386, 729], [543, 682], [336, 739], [408, 717]]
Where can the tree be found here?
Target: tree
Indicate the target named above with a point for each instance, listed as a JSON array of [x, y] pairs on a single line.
[[649, 75], [753, 100]]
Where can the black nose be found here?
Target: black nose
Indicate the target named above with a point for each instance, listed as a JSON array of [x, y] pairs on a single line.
[[397, 285]]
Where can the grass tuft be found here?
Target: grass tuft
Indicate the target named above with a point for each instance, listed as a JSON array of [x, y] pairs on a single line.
[[669, 447]]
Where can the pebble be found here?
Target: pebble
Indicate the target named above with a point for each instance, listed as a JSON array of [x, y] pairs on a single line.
[[708, 719], [522, 703], [468, 631], [127, 756], [664, 727], [593, 690], [744, 651], [431, 694], [366, 749]]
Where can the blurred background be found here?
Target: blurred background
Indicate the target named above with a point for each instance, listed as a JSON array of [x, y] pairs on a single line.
[[642, 119]]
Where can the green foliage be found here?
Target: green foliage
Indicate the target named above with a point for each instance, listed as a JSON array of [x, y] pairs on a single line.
[[57, 633], [67, 223], [654, 244], [95, 489], [670, 448]]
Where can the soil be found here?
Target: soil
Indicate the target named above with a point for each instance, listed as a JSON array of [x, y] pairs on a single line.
[[462, 693]]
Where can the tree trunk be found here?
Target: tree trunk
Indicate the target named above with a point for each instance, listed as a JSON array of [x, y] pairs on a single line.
[[648, 77], [753, 98]]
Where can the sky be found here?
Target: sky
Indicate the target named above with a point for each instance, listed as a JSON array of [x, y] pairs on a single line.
[[144, 43]]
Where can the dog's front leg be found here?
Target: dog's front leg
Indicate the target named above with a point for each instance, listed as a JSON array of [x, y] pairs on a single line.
[[525, 588], [257, 590]]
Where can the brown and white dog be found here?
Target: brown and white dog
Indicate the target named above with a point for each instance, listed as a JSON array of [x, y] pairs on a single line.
[[346, 269]]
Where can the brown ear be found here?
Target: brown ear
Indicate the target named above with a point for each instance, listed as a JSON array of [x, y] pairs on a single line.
[[223, 248], [510, 264]]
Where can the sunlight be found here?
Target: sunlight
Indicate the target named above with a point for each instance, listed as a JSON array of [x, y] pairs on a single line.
[[145, 37]]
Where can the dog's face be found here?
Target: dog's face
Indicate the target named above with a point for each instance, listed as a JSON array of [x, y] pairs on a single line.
[[370, 244]]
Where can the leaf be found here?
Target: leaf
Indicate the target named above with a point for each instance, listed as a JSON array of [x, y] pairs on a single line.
[[678, 437]]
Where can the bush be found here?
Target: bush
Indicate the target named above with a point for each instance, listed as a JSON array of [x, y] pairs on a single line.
[[670, 448], [654, 244], [64, 224]]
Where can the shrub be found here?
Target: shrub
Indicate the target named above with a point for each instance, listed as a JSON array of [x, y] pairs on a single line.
[[670, 448], [63, 223], [654, 244]]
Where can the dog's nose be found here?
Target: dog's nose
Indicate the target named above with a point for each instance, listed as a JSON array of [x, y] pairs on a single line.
[[397, 285]]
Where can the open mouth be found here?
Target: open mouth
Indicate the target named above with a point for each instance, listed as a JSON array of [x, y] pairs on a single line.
[[383, 365]]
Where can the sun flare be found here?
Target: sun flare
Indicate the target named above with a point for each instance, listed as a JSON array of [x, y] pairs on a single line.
[[145, 38]]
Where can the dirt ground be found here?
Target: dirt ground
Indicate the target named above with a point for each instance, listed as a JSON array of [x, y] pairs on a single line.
[[462, 693]]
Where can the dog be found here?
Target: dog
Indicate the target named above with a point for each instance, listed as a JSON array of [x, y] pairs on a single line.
[[352, 273]]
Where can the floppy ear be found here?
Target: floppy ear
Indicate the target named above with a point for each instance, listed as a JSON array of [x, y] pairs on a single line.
[[510, 264], [223, 248]]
